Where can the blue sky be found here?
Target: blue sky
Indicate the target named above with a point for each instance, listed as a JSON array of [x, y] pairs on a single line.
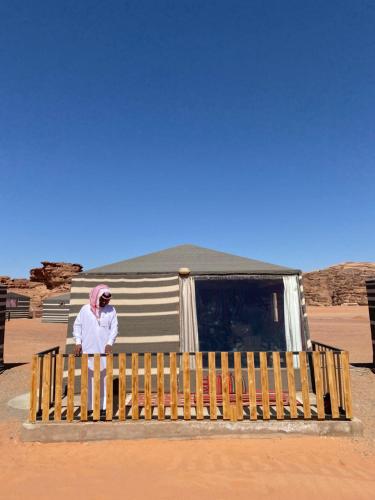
[[243, 126]]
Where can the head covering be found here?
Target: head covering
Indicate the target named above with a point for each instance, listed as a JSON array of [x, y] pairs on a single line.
[[95, 295]]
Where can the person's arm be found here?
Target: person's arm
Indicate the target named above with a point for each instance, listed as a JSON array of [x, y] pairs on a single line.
[[113, 329], [77, 335]]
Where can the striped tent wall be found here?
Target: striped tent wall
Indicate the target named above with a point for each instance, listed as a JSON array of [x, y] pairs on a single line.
[[56, 309], [147, 309], [370, 286], [3, 296], [17, 306]]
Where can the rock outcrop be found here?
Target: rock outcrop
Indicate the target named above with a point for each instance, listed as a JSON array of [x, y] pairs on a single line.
[[53, 278], [341, 284], [54, 274]]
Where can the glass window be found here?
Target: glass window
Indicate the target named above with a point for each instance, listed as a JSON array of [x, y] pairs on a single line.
[[240, 314]]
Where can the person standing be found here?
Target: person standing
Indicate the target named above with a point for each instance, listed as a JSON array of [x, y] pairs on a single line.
[[95, 330]]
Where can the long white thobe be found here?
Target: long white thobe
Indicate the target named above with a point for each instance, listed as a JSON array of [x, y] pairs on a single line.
[[94, 334]]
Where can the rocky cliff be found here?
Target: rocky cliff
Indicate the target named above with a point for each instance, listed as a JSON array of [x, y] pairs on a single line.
[[341, 284], [53, 278]]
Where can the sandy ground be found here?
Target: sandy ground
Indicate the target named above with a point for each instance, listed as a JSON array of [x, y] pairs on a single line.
[[217, 468]]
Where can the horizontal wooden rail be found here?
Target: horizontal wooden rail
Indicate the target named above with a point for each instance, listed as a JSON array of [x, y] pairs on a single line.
[[215, 385]]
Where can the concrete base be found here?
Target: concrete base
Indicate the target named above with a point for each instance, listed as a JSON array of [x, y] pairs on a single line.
[[97, 431]]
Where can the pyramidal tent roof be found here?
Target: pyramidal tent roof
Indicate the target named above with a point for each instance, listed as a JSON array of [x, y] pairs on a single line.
[[199, 260]]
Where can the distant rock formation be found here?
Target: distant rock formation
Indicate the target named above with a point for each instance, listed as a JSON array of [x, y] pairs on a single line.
[[52, 279], [342, 284], [54, 274]]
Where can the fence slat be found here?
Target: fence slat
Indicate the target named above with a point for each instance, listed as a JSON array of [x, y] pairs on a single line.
[[109, 387], [278, 385], [225, 385], [173, 384], [122, 385], [135, 408], [148, 408], [291, 385], [96, 396], [251, 386], [318, 384], [70, 397], [186, 377], [33, 388], [59, 360], [84, 386], [332, 387], [160, 384], [305, 386], [346, 384], [46, 387], [238, 384], [199, 385], [265, 385], [212, 385]]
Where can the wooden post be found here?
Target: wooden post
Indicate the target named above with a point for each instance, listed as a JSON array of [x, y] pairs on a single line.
[[238, 383], [318, 384], [291, 385], [96, 398], [173, 385], [278, 385], [186, 377], [70, 398], [34, 388], [265, 385], [58, 385], [212, 385], [135, 409], [160, 384], [346, 384], [225, 384], [122, 385], [84, 386], [148, 408], [251, 386], [332, 387], [109, 387], [46, 387], [199, 385], [233, 412], [305, 386]]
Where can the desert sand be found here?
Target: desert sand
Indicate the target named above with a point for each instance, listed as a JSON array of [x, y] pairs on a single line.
[[216, 468]]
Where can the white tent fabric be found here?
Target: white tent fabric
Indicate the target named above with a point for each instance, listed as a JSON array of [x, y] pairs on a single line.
[[292, 314], [188, 316]]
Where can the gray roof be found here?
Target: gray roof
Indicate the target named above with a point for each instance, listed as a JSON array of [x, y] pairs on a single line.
[[199, 260], [64, 296], [16, 295]]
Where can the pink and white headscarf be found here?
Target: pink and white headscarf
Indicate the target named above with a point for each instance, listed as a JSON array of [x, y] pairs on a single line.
[[95, 295]]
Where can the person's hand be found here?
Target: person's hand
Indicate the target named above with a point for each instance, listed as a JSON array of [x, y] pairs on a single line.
[[77, 350], [108, 349]]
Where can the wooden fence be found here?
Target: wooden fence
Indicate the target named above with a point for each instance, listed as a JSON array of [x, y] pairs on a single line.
[[214, 385]]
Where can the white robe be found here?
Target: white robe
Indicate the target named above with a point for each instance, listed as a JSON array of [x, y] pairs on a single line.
[[94, 334]]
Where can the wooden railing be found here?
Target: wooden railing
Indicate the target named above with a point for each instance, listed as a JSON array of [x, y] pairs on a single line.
[[214, 385]]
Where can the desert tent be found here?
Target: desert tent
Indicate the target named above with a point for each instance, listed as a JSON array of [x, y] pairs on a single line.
[[56, 309], [17, 305], [370, 286], [3, 295], [222, 303]]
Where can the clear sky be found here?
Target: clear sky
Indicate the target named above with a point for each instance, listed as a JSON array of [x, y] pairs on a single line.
[[132, 126]]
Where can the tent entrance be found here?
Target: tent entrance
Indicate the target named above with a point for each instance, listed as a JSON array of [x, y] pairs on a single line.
[[240, 314]]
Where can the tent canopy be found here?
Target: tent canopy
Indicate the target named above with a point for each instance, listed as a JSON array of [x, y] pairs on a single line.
[[198, 259]]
